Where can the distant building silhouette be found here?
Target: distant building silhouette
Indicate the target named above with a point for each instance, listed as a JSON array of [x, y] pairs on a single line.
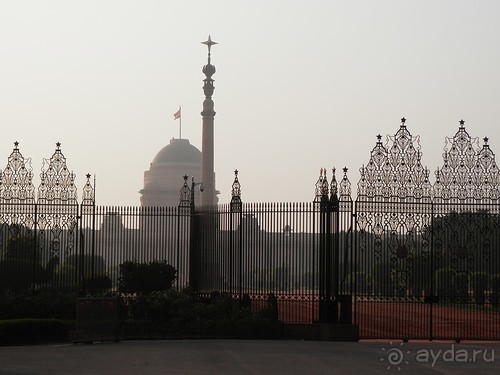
[[163, 180]]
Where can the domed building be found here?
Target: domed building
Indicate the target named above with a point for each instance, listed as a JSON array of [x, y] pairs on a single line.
[[164, 179]]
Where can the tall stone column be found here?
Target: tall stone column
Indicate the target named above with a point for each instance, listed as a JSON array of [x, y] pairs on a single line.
[[208, 197]]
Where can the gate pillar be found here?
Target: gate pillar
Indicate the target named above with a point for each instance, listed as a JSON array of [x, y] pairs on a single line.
[[328, 249]]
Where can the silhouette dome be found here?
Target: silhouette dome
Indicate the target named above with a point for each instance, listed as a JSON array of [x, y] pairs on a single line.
[[178, 151], [164, 179]]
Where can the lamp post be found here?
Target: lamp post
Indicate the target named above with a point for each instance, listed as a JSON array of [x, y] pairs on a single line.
[[193, 185]]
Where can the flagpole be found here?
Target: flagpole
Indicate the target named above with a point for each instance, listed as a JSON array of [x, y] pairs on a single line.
[[180, 123]]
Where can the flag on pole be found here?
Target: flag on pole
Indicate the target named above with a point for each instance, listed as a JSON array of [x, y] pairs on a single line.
[[177, 115]]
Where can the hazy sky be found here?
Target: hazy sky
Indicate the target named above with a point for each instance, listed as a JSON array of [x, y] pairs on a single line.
[[300, 85]]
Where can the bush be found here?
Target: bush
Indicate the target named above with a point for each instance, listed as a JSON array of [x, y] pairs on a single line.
[[91, 263], [246, 302], [462, 285], [479, 284], [97, 285], [30, 331], [382, 281], [495, 290], [20, 267], [65, 278], [20, 275], [184, 314], [44, 305], [270, 312], [361, 281], [146, 277], [445, 282]]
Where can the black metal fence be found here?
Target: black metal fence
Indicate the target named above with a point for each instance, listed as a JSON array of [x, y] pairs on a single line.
[[404, 259], [259, 250], [427, 270], [57, 247], [427, 255]]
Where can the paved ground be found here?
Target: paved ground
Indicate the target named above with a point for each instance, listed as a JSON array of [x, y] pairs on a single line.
[[252, 357]]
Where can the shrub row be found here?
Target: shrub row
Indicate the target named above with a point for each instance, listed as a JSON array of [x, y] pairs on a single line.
[[174, 313], [46, 305], [184, 307]]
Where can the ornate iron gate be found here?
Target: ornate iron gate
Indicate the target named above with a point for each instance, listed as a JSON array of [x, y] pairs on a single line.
[[418, 260], [405, 259], [426, 256], [39, 233]]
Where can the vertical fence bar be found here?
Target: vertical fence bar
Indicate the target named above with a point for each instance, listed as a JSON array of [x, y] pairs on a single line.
[[433, 270]]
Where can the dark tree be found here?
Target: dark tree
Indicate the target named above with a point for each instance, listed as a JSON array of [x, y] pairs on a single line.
[[145, 277], [21, 266]]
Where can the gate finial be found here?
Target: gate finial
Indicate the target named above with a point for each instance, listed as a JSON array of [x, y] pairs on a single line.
[[236, 194], [236, 189], [88, 192], [185, 198], [333, 185], [345, 187], [321, 191]]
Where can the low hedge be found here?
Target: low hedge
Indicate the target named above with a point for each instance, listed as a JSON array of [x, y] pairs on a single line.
[[43, 305], [33, 331]]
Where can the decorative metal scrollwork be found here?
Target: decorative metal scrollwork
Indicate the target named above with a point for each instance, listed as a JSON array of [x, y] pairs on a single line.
[[88, 197], [57, 182], [333, 185], [395, 172], [469, 172], [405, 224], [345, 187], [16, 180], [185, 198], [236, 194], [338, 192], [321, 187]]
